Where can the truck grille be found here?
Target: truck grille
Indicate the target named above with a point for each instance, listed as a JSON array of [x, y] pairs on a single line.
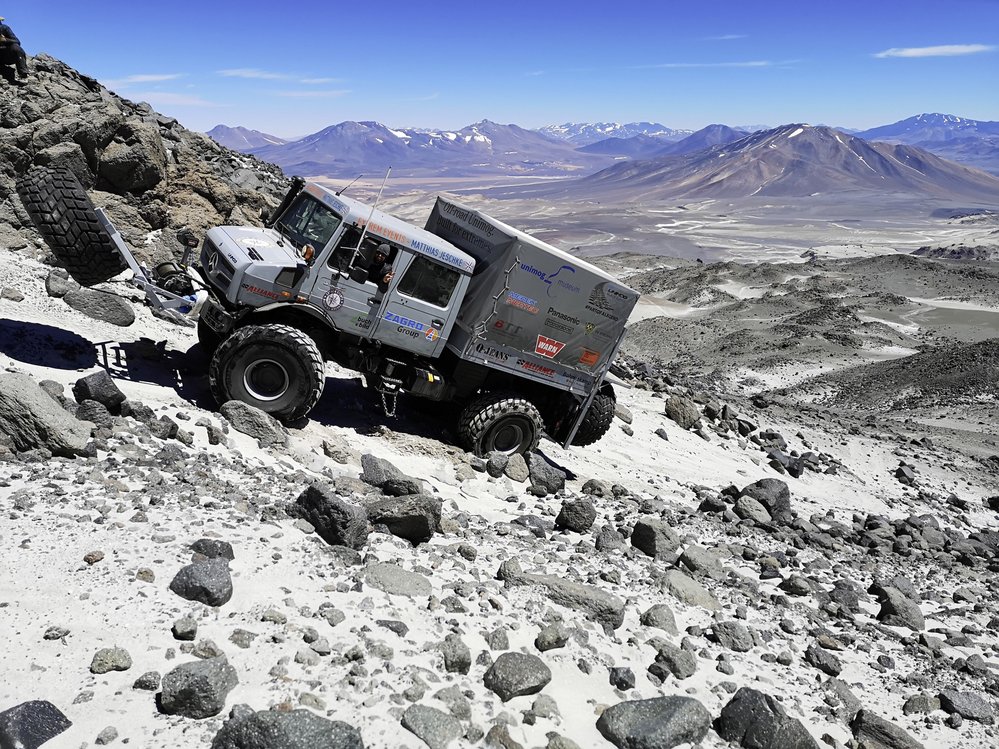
[[216, 266]]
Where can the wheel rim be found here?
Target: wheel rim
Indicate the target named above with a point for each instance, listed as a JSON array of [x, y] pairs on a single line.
[[266, 379], [510, 434]]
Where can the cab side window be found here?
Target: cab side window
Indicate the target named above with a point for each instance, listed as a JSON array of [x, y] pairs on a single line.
[[429, 281]]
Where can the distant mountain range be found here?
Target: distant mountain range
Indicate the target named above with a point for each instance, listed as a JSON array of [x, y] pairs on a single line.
[[583, 134], [351, 148], [650, 156], [242, 139], [791, 160]]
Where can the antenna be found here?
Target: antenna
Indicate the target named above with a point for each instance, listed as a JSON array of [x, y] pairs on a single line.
[[342, 190], [371, 214]]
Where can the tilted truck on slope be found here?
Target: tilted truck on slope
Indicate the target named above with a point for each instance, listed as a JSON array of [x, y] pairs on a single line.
[[517, 334]]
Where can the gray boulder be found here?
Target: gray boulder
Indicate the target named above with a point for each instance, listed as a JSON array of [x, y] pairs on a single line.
[[100, 387], [545, 478], [870, 729], [378, 472], [603, 607], [683, 411], [31, 724], [254, 422], [101, 305], [213, 548], [457, 656], [576, 515], [966, 704], [106, 660], [197, 689], [660, 616], [393, 579], [659, 723], [414, 517], [774, 495], [58, 283], [272, 729], [733, 635], [897, 610], [206, 581], [434, 727], [516, 674], [30, 418], [336, 521], [689, 591], [754, 719], [655, 537]]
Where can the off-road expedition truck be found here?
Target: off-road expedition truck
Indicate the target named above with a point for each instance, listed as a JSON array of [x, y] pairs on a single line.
[[514, 335]]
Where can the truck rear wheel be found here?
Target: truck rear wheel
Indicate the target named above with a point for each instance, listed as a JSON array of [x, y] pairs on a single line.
[[276, 368], [500, 422], [63, 214], [598, 419]]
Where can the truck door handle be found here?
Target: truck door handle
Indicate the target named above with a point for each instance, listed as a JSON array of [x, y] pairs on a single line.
[[372, 299], [437, 323]]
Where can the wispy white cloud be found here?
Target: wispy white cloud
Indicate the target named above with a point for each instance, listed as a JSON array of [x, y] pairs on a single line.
[[534, 73], [743, 64], [169, 99], [129, 80], [724, 37], [312, 94], [318, 81], [942, 50], [255, 73], [429, 97]]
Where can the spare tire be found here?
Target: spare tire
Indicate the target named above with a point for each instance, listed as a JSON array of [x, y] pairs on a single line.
[[598, 419], [63, 214]]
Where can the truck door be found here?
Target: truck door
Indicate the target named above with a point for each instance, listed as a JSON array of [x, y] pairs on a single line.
[[352, 304], [420, 305]]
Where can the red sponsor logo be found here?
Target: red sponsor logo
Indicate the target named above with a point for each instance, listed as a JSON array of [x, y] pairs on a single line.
[[589, 358], [538, 368], [548, 347]]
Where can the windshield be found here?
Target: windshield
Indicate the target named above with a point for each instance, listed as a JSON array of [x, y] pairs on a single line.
[[308, 222]]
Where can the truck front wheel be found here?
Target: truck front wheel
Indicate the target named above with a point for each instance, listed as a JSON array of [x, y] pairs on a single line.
[[276, 368], [500, 422]]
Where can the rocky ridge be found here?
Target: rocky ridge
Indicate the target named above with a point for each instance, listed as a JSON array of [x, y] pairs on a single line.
[[150, 173]]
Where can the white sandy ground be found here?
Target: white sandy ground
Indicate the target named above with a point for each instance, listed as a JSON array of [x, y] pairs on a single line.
[[43, 580]]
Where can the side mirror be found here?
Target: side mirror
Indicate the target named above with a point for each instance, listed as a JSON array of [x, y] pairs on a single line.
[[187, 238], [358, 275]]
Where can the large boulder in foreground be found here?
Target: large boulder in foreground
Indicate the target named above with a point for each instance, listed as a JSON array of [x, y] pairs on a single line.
[[659, 723], [30, 418], [297, 729], [198, 689]]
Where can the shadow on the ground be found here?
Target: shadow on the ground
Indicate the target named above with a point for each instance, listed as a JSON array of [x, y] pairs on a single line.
[[46, 346]]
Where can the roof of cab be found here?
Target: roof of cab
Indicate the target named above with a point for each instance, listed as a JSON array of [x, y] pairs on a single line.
[[394, 229]]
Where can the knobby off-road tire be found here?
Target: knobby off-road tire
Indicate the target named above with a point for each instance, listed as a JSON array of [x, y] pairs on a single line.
[[598, 419], [503, 422], [65, 217], [276, 368]]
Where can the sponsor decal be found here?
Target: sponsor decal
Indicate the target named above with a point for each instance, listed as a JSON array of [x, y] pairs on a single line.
[[540, 369], [552, 312], [589, 358], [560, 321], [361, 321], [408, 331], [607, 301], [432, 334], [590, 327], [507, 328], [231, 257], [558, 325], [335, 204], [333, 299], [405, 322], [557, 281], [491, 352], [548, 347], [522, 302], [444, 256], [262, 292]]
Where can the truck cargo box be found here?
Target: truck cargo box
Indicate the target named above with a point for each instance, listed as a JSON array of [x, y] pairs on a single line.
[[531, 308]]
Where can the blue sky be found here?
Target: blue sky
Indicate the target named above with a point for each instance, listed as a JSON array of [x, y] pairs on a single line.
[[293, 68]]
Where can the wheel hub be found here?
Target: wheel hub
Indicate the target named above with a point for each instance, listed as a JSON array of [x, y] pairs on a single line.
[[266, 379]]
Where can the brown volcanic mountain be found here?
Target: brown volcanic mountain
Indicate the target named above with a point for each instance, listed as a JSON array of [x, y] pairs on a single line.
[[791, 160]]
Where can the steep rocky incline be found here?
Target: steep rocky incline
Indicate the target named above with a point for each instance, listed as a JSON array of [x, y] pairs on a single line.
[[150, 173]]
